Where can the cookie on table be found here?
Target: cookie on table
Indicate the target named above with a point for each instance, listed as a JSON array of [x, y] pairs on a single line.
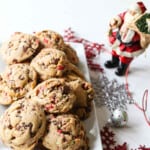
[[84, 92], [19, 48], [55, 95], [70, 52], [16, 81], [65, 132], [52, 39], [72, 76], [22, 125], [50, 63], [82, 112], [84, 95], [74, 70]]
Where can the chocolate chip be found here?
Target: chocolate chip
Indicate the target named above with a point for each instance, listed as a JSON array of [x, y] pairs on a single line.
[[32, 134], [57, 40], [85, 86], [1, 78], [10, 44], [15, 60], [66, 89], [33, 109], [55, 61], [10, 126], [18, 111], [49, 36], [17, 90], [40, 125], [64, 139], [25, 49], [21, 77], [39, 146], [82, 148], [12, 138]]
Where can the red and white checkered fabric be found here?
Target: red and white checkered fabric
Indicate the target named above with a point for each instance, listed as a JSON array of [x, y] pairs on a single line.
[[69, 36], [92, 49]]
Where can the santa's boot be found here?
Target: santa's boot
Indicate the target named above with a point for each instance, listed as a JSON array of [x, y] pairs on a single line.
[[121, 70], [112, 63]]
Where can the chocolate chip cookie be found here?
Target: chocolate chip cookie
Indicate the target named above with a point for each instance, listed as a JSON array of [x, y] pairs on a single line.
[[70, 52], [19, 47], [52, 39], [15, 82], [83, 91], [50, 63], [22, 125], [65, 132], [55, 95]]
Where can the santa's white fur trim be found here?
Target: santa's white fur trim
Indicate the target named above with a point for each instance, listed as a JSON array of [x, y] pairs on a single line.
[[135, 7], [128, 36]]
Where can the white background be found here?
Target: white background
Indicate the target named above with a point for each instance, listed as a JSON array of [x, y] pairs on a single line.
[[89, 18]]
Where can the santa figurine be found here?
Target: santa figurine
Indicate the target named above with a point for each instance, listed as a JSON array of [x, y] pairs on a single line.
[[125, 42]]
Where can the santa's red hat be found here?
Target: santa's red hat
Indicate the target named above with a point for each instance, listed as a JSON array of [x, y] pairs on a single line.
[[138, 7]]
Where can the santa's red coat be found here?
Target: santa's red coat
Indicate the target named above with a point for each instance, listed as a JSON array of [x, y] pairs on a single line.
[[129, 49]]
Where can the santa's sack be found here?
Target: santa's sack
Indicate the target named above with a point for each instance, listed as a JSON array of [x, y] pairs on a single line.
[[142, 26]]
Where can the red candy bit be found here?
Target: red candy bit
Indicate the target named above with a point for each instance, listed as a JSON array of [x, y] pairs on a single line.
[[59, 131], [50, 106], [41, 89], [45, 40], [60, 67], [37, 41]]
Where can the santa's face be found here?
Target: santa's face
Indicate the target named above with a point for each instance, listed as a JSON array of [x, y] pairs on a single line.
[[130, 16]]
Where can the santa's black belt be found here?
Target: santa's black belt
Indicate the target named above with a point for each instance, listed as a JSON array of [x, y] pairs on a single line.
[[118, 36]]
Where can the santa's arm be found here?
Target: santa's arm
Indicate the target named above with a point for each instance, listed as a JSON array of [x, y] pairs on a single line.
[[117, 21]]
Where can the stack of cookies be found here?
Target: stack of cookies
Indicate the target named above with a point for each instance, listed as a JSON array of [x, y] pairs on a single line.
[[46, 92]]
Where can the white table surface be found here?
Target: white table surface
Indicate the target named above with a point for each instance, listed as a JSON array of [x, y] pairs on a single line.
[[89, 18]]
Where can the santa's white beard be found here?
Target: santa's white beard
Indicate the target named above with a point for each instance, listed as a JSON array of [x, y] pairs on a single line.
[[126, 34], [129, 18]]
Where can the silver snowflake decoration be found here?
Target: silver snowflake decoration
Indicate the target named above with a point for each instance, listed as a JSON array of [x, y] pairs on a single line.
[[110, 93]]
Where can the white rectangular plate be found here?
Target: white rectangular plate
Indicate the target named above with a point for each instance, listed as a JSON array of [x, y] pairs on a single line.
[[91, 124]]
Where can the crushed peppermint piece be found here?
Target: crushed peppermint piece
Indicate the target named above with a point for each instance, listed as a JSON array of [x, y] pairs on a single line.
[[45, 40], [60, 67]]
